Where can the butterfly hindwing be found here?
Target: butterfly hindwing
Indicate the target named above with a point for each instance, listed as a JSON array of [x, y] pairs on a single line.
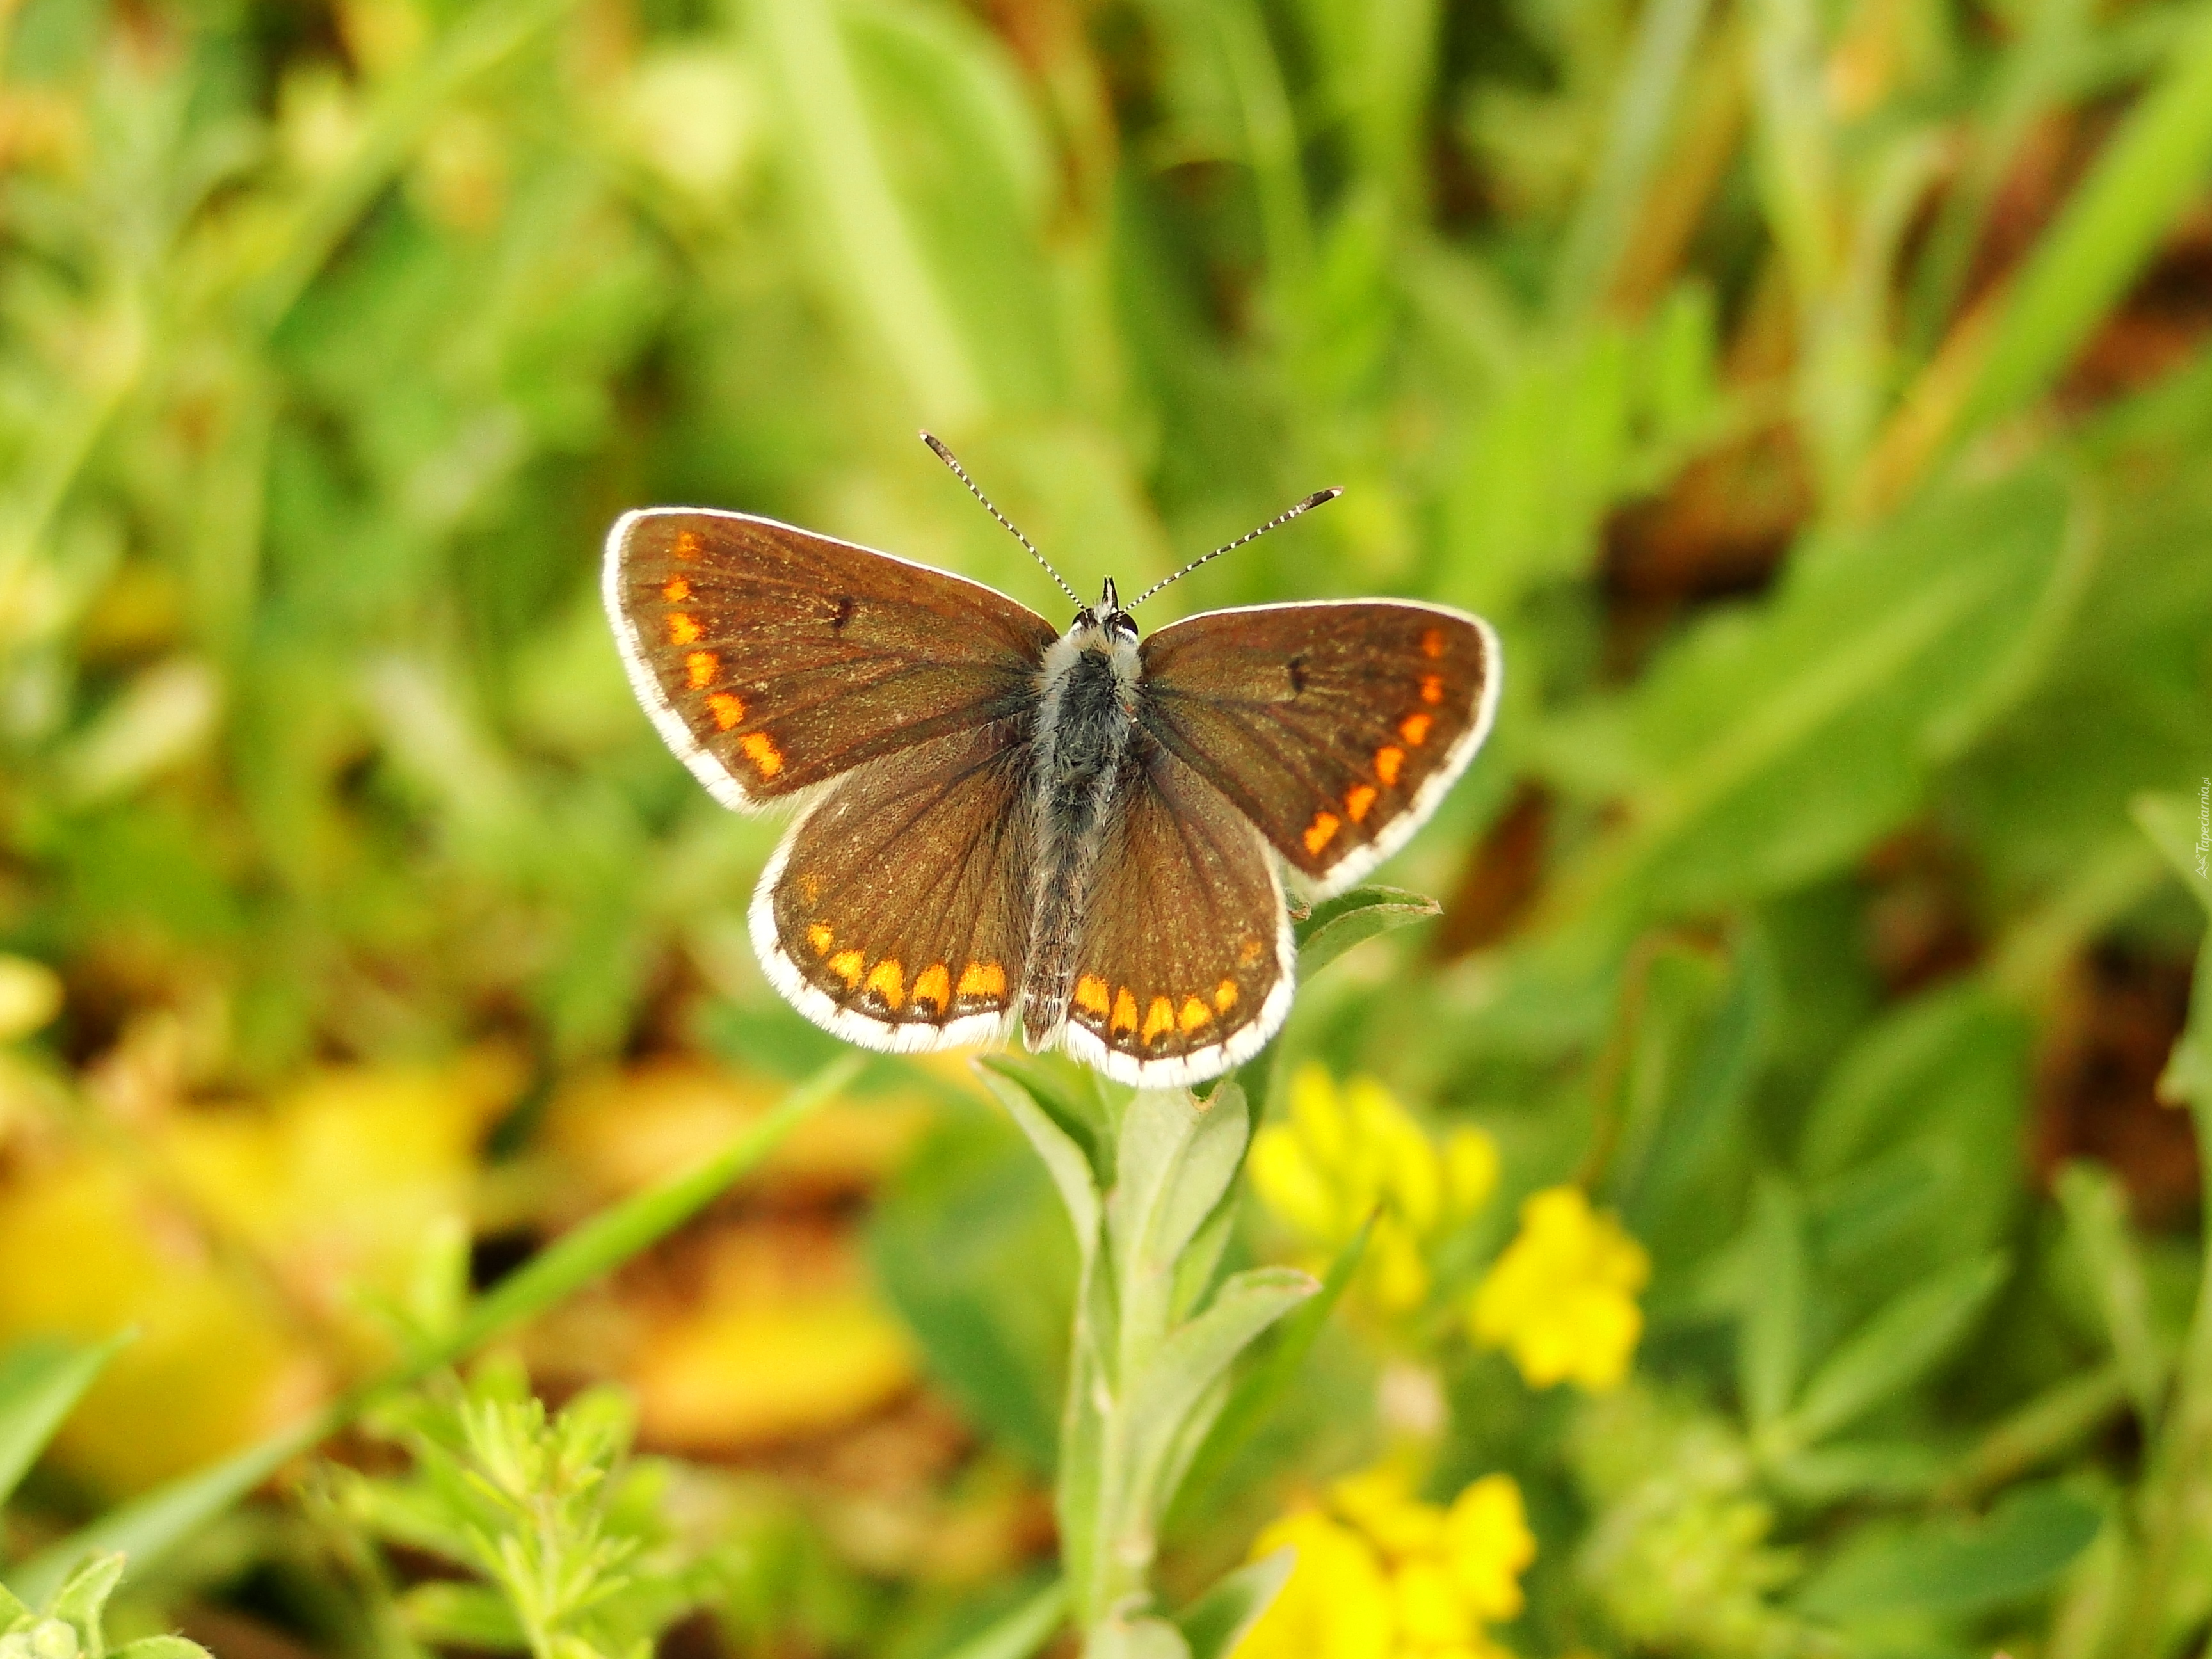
[[772, 658], [1335, 726], [895, 912], [1182, 967]]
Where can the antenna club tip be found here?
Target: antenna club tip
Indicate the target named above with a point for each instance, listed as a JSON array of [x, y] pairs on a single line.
[[1328, 495]]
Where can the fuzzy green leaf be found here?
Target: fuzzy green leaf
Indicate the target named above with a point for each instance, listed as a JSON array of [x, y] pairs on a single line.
[[1215, 1623], [1336, 925]]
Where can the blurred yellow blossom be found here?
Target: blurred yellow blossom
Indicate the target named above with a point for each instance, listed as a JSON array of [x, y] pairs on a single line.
[[30, 995], [1353, 1151], [1561, 1298], [1381, 1575]]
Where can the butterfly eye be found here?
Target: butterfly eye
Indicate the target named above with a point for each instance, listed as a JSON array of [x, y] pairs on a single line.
[[1122, 625]]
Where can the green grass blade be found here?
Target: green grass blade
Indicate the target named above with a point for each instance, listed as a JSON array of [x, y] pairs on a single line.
[[145, 1528], [873, 248], [2154, 168], [40, 1382], [1635, 144], [608, 1240]]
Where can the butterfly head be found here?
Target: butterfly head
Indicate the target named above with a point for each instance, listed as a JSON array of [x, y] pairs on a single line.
[[1107, 619]]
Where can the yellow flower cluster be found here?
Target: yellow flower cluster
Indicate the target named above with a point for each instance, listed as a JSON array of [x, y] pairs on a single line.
[[1350, 1152], [1561, 1298], [1380, 1574]]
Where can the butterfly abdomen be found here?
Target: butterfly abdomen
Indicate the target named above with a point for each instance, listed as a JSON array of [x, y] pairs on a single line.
[[1085, 719]]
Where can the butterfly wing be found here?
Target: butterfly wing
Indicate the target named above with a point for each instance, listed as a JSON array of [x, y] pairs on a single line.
[[895, 912], [1335, 728], [1183, 964], [771, 658]]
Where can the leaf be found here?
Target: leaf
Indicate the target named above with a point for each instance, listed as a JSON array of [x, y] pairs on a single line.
[[1256, 1392], [1892, 1470], [972, 1245], [1192, 1360], [873, 243], [1949, 1567], [2148, 172], [448, 1613], [2097, 1225], [82, 1599], [1771, 1348], [1075, 1109], [1770, 747], [1063, 1156], [1336, 925], [1215, 1623], [1893, 1350], [159, 1647], [2176, 826], [1116, 1638], [40, 1382], [1021, 1632], [1178, 1157]]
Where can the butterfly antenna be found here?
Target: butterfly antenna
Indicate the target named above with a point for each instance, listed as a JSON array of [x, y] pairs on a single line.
[[961, 473], [1275, 523]]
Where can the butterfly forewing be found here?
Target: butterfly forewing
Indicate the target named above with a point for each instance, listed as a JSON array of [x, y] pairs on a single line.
[[1334, 727], [1182, 967], [895, 912], [772, 658]]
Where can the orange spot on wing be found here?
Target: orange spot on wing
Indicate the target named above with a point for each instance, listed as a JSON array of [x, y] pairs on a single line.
[[1415, 728], [678, 591], [1432, 642], [1433, 688], [700, 667], [727, 709], [1125, 1012], [1387, 763], [819, 937], [1092, 996], [1318, 832], [1224, 996], [809, 886], [759, 749], [683, 628], [687, 543], [934, 985], [1194, 1014], [1357, 800], [888, 981], [1160, 1019], [1249, 953], [986, 980], [846, 965]]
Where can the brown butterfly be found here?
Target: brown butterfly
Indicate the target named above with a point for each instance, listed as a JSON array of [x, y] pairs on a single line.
[[998, 820]]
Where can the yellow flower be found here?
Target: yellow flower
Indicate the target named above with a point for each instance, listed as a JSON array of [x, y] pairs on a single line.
[[1381, 1574], [1336, 1603], [1561, 1298], [1349, 1154], [1488, 1545]]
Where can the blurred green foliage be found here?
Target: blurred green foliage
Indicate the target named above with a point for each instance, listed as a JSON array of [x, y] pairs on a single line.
[[1815, 396]]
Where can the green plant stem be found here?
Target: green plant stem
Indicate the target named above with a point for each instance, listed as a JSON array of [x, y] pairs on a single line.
[[145, 1528]]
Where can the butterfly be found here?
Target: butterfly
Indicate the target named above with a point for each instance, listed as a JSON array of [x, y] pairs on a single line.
[[1081, 831]]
